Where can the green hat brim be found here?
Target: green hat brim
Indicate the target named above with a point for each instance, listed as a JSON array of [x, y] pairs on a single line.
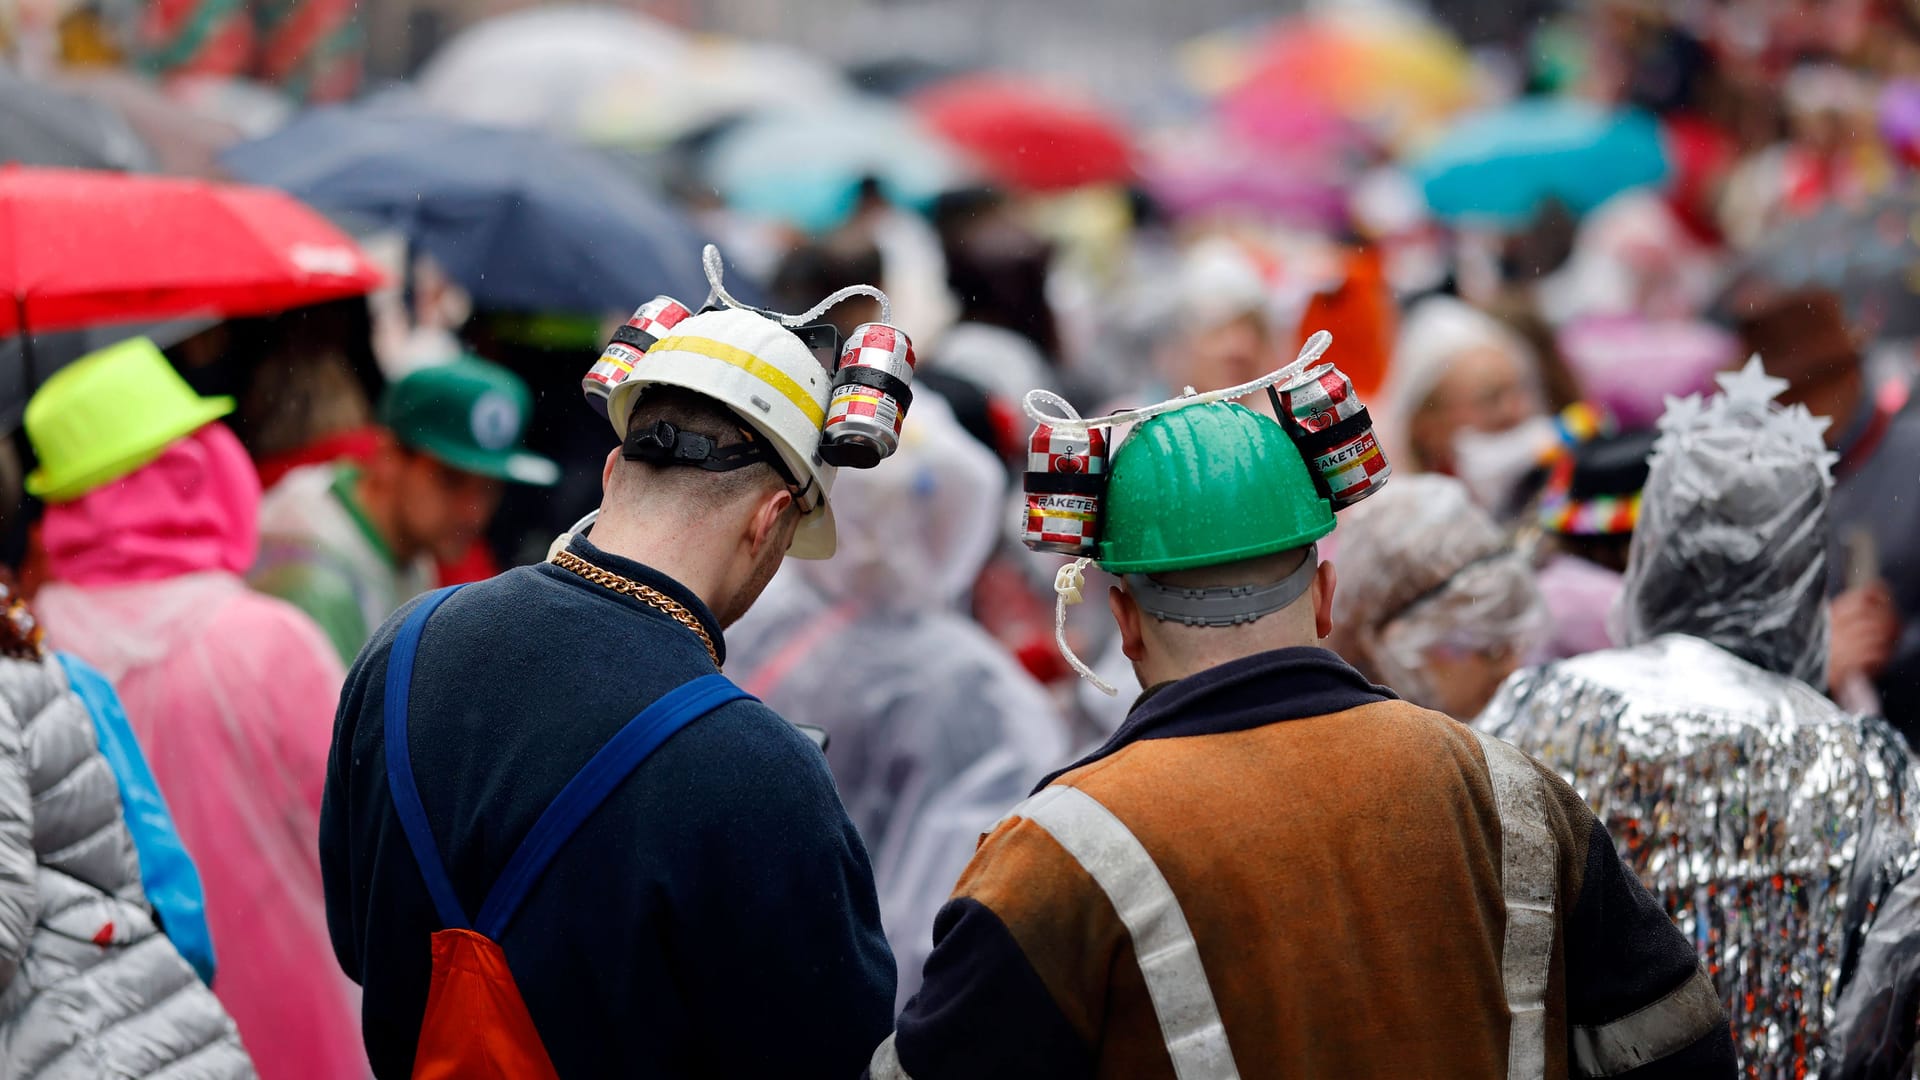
[[70, 484], [513, 466], [1215, 558]]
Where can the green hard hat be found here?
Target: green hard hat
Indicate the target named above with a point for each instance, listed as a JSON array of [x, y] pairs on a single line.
[[1205, 485]]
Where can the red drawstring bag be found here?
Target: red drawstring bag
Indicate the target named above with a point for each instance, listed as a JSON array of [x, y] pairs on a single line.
[[477, 1026]]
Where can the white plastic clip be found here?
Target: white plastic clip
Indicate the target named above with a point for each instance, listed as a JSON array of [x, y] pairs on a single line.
[[1067, 583], [561, 542]]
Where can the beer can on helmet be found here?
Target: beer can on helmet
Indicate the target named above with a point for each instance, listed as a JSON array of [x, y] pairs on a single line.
[[630, 342], [1330, 425], [872, 387], [1065, 484]]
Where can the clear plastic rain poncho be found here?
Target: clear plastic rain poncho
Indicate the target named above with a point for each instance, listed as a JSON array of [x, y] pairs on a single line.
[[874, 646], [1420, 566], [1777, 830], [1731, 546]]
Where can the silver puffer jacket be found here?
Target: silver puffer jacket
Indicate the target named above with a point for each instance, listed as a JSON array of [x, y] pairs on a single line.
[[89, 987]]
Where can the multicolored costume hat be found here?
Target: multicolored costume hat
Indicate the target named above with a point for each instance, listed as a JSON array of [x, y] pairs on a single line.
[[1593, 485]]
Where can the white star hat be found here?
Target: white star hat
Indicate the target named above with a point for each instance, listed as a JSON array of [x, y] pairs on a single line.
[[1745, 412]]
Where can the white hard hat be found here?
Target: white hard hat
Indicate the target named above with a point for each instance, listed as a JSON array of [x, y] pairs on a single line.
[[768, 376]]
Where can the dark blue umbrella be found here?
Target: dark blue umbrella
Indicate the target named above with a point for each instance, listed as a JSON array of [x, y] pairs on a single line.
[[1868, 255], [523, 221]]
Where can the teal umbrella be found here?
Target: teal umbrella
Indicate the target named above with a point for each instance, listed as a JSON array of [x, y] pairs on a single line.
[[1503, 165], [805, 166]]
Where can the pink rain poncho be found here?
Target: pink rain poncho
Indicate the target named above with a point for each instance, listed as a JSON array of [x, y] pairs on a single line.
[[232, 696]]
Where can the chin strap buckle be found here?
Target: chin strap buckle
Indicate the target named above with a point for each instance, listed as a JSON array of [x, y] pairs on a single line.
[[1069, 581]]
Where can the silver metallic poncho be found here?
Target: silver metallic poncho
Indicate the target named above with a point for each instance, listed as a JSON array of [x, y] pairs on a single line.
[[1771, 824]]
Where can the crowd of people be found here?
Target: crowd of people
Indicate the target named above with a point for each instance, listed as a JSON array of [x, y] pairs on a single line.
[[334, 742]]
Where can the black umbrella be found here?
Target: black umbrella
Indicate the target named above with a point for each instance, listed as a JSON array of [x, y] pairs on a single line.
[[40, 125], [55, 350], [901, 76], [1869, 256], [522, 221]]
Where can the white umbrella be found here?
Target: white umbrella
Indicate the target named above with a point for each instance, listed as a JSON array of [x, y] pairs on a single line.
[[719, 77], [535, 68]]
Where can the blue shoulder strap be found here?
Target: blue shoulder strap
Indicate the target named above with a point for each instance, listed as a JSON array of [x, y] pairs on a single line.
[[590, 787], [406, 796], [583, 794], [167, 871]]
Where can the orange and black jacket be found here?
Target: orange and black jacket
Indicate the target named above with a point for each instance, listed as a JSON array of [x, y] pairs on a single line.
[[1275, 868]]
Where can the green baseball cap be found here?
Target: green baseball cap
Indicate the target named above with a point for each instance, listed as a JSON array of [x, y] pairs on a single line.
[[469, 413]]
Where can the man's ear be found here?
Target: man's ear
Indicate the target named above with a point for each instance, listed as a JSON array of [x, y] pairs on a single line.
[[1127, 616], [765, 527], [606, 471], [1324, 579]]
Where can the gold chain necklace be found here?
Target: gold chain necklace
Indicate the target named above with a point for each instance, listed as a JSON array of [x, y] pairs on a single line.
[[666, 605]]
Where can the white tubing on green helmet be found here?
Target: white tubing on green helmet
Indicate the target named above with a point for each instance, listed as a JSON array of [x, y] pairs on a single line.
[[1069, 420]]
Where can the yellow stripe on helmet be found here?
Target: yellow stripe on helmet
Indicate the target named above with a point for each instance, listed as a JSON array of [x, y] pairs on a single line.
[[751, 364]]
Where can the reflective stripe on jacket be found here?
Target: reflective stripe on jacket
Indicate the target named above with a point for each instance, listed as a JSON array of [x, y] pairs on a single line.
[[1275, 869]]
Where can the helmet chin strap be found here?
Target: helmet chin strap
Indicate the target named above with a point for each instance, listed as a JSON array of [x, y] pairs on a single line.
[[1066, 590]]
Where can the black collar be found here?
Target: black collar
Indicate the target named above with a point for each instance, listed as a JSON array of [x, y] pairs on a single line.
[[644, 575], [1253, 691]]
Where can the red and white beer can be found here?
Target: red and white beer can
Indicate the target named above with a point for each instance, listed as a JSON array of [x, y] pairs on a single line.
[[872, 388], [1331, 427], [630, 342], [1066, 481]]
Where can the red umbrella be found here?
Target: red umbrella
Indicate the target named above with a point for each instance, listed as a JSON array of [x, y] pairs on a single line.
[[79, 248], [1026, 135]]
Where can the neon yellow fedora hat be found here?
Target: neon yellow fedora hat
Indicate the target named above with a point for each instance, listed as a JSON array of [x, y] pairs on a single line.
[[106, 415]]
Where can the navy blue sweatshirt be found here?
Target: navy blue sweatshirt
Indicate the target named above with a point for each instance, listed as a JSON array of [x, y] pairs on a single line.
[[715, 917]]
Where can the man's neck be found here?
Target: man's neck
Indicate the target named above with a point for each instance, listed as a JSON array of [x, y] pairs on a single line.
[[1186, 667], [691, 564], [378, 505]]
